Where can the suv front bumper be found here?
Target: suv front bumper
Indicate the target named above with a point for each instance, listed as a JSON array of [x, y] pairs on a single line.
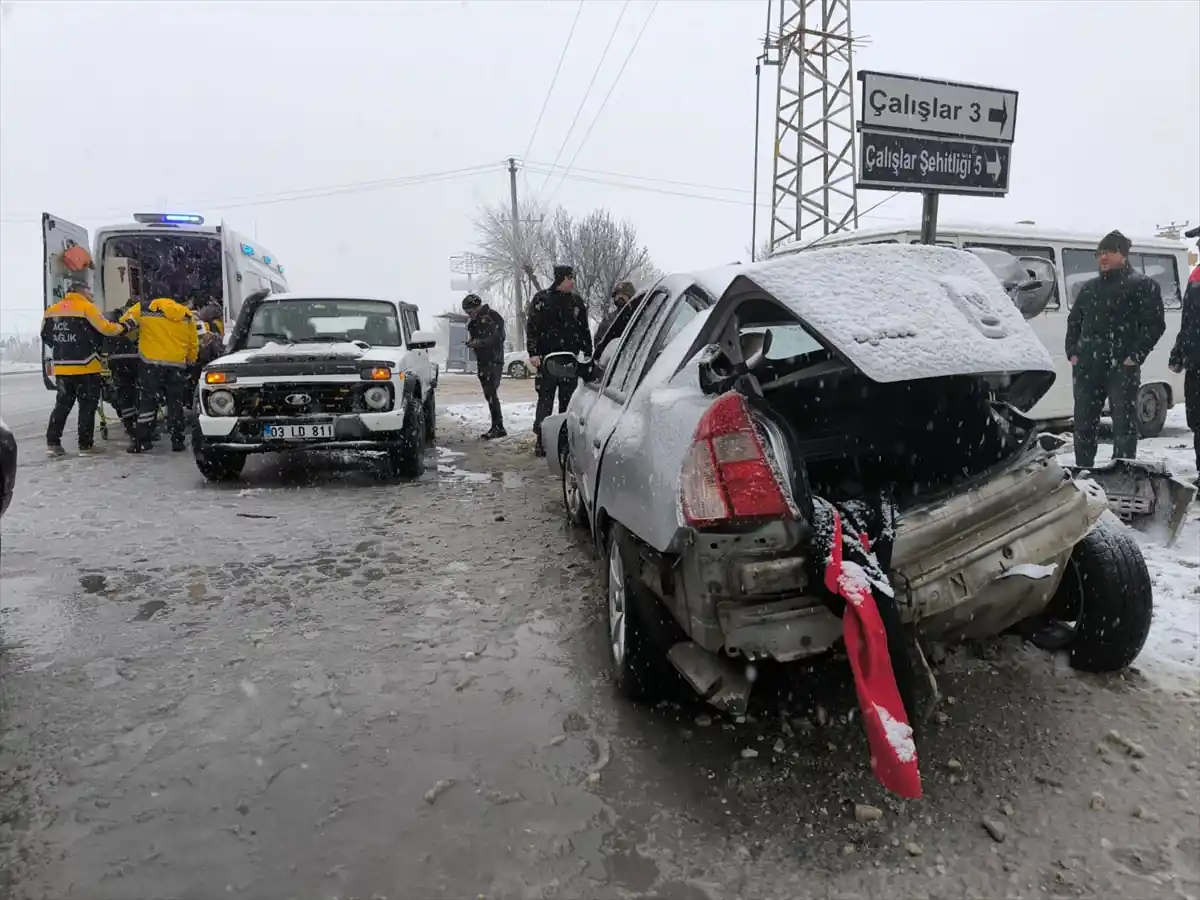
[[351, 431]]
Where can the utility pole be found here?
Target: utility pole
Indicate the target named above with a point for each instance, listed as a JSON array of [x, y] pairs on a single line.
[[518, 289], [1170, 232]]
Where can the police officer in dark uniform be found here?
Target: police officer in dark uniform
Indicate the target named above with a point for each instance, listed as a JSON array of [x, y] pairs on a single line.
[[1185, 355], [485, 335], [557, 322], [1116, 321]]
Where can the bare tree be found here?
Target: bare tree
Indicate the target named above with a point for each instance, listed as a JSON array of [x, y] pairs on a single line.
[[603, 252], [501, 248]]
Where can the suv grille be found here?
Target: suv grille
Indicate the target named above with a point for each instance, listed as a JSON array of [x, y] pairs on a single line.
[[282, 399]]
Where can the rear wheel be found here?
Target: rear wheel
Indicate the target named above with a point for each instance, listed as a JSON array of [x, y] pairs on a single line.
[[630, 650], [518, 370], [1107, 592], [406, 457], [1152, 409], [571, 494], [217, 465]]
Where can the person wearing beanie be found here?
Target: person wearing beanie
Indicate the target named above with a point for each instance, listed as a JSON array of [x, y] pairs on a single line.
[[557, 322], [1115, 322], [485, 335], [621, 295], [1185, 354]]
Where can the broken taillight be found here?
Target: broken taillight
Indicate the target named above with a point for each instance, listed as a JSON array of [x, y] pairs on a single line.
[[726, 474]]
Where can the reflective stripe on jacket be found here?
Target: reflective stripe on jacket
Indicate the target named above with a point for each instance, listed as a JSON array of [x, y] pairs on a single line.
[[166, 332], [75, 329]]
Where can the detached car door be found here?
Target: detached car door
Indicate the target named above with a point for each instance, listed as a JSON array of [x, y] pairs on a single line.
[[59, 236], [599, 411]]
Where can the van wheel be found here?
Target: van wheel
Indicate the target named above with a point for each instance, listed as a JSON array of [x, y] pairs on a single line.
[[430, 417], [518, 369], [1152, 409], [1107, 591], [630, 650], [217, 465], [406, 457]]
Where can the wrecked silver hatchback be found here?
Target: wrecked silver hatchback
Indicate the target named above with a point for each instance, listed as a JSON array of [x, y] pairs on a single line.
[[725, 408]]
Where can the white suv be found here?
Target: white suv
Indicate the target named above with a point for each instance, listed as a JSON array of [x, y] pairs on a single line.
[[318, 373]]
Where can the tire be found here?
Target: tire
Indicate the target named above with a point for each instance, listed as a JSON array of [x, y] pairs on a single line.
[[630, 650], [572, 496], [1108, 589], [430, 417], [518, 370], [406, 457], [1152, 409], [217, 465]]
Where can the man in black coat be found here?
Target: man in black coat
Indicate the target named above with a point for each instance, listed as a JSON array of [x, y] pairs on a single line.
[[557, 322], [1112, 327], [1185, 355], [485, 335]]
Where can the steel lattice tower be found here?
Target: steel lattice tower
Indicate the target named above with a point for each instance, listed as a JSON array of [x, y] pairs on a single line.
[[813, 192]]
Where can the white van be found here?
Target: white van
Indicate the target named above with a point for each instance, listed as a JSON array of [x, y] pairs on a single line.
[[1074, 258], [131, 260]]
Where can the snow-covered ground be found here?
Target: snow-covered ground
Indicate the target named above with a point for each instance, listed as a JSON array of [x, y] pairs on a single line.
[[518, 417], [1172, 654], [14, 368]]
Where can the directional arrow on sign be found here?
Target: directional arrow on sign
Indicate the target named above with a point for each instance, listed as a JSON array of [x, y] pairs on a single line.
[[993, 167], [999, 115]]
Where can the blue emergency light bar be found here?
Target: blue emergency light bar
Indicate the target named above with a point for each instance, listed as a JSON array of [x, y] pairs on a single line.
[[168, 219]]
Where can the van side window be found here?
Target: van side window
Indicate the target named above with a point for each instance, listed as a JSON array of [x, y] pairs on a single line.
[[1161, 267], [1055, 301], [1078, 266]]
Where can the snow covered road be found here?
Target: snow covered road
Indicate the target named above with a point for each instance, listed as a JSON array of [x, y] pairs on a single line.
[[321, 682]]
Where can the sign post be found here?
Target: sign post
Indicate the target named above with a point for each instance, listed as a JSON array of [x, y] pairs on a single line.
[[936, 137]]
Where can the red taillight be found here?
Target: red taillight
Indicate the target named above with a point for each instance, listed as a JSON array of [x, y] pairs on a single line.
[[726, 475]]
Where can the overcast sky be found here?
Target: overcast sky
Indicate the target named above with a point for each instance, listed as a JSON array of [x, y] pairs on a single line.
[[107, 109]]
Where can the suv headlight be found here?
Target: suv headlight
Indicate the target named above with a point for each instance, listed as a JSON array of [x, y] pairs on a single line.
[[377, 397], [222, 403]]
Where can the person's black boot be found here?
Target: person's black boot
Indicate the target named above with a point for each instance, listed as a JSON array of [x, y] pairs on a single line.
[[538, 449], [139, 447], [178, 445]]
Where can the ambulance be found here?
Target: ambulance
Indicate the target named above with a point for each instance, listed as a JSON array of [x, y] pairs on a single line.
[[157, 255]]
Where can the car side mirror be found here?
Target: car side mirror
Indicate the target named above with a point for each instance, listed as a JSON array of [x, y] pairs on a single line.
[[561, 366], [422, 340]]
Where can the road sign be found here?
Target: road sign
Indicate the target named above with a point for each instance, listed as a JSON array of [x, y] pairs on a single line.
[[914, 162], [945, 108]]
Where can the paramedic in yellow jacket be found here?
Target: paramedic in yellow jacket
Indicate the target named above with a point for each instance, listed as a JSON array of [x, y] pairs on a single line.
[[75, 329], [167, 345]]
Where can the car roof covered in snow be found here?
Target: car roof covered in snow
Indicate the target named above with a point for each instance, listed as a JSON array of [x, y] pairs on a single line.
[[899, 311]]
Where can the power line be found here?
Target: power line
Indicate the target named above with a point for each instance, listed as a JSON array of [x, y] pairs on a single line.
[[553, 80], [595, 74], [739, 201], [651, 178], [604, 102], [303, 193]]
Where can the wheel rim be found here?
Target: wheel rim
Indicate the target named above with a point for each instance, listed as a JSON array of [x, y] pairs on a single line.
[[616, 607], [571, 496], [1149, 406]]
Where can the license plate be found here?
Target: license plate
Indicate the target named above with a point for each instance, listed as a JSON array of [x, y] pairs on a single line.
[[316, 432]]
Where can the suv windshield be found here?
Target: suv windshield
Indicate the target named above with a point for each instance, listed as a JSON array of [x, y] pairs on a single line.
[[307, 321]]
